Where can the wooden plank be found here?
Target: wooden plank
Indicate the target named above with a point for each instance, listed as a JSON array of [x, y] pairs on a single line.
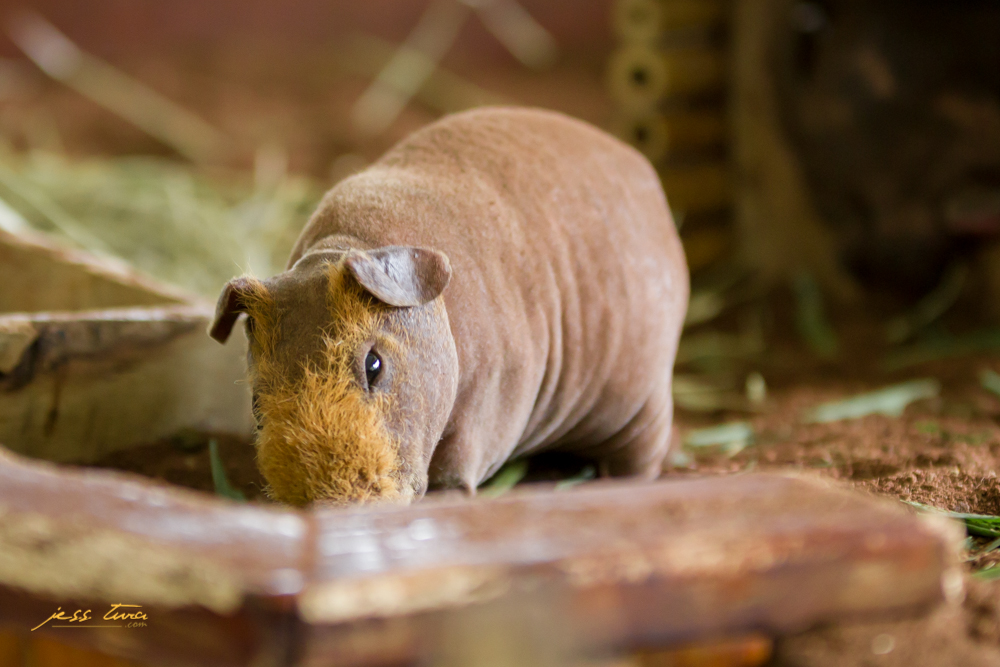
[[255, 547], [628, 563], [95, 357], [38, 274], [11, 650], [608, 566], [45, 652], [214, 577], [75, 387]]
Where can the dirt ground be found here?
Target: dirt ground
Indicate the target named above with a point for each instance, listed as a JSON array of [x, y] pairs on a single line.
[[942, 451]]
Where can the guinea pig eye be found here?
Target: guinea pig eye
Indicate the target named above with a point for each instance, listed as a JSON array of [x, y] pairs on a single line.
[[373, 366]]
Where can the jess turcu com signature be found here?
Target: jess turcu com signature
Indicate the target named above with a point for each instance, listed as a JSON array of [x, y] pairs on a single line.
[[118, 616]]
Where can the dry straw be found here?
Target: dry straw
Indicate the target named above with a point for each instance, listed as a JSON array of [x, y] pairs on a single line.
[[172, 221]]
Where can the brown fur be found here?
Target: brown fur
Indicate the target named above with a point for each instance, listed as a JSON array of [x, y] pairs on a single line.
[[321, 436]]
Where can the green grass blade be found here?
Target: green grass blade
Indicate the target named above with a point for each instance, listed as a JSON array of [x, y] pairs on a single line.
[[890, 401], [584, 475], [505, 479], [988, 574], [222, 486], [722, 435], [983, 525]]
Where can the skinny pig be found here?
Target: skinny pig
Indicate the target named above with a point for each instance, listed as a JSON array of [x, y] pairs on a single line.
[[502, 282]]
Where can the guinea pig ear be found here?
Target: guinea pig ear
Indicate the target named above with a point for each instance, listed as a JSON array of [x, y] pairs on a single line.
[[227, 310], [400, 276]]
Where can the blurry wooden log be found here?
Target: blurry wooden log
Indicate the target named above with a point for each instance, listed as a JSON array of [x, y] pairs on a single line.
[[624, 564], [83, 375], [640, 76], [747, 651], [660, 134], [781, 232], [697, 188], [607, 566], [87, 538], [11, 650], [89, 383], [604, 567], [45, 652], [645, 21]]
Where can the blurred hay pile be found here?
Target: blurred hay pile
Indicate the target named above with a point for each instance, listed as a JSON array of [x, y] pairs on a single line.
[[182, 223], [177, 223], [196, 226]]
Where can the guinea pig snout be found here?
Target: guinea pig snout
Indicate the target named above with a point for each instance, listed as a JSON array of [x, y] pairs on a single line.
[[324, 440], [407, 494]]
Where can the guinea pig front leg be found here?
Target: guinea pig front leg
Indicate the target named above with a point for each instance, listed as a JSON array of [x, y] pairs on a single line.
[[457, 461]]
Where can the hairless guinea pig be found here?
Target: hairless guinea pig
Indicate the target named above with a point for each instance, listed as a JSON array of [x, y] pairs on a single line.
[[502, 282]]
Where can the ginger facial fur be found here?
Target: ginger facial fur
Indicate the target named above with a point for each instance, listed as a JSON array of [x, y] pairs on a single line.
[[322, 436]]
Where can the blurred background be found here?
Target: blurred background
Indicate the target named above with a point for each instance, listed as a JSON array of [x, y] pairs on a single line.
[[856, 143], [194, 139], [833, 167]]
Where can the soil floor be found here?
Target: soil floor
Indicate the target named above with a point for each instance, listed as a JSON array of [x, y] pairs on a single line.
[[943, 452]]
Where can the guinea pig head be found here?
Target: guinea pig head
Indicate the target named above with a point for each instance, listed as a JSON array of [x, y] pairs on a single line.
[[354, 372]]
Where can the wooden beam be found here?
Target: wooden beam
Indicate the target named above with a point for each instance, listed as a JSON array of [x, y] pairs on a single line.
[[613, 565], [40, 275], [95, 357]]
